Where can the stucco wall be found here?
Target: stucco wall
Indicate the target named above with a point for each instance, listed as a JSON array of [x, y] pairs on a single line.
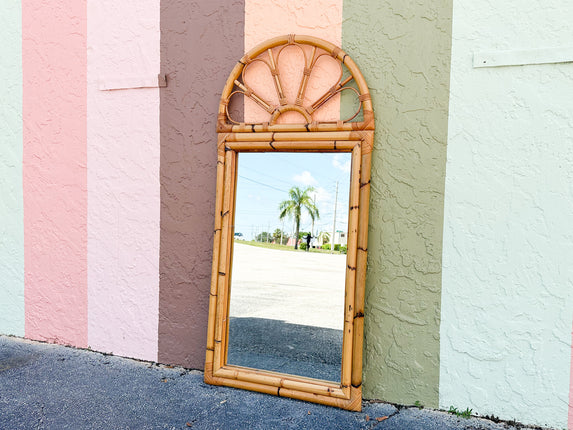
[[403, 50], [123, 177], [11, 200], [319, 18], [107, 197], [571, 386], [55, 170], [200, 43], [507, 296]]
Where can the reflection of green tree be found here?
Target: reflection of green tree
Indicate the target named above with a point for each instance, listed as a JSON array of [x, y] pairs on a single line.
[[264, 237], [293, 207], [278, 234]]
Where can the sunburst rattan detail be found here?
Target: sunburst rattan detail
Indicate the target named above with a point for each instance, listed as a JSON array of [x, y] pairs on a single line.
[[269, 54]]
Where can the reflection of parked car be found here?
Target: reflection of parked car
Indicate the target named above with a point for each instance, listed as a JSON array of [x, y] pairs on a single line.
[[239, 236]]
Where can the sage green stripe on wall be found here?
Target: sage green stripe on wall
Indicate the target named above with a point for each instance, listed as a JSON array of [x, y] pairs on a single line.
[[11, 200], [403, 50]]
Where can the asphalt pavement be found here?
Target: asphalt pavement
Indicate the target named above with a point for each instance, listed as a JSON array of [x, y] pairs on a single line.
[[45, 386]]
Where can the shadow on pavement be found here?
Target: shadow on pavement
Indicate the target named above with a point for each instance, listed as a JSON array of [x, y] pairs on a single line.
[[279, 346]]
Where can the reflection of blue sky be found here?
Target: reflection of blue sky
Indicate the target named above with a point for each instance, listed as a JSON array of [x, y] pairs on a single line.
[[265, 178]]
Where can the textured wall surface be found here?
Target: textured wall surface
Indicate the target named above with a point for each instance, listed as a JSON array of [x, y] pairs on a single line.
[[54, 170], [123, 178], [571, 386], [319, 18], [403, 50], [107, 197], [11, 199], [508, 280], [200, 43]]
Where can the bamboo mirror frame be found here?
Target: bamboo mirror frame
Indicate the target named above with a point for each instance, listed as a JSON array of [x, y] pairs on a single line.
[[354, 137]]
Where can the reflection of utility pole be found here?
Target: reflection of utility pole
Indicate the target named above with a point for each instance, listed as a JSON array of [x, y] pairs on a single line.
[[334, 220], [283, 227], [312, 228], [268, 230]]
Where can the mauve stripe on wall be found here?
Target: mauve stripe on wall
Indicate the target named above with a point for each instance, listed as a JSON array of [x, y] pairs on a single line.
[[123, 178], [54, 170], [200, 44], [11, 199]]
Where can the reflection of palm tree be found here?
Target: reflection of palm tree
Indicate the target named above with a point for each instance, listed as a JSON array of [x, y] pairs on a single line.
[[292, 208]]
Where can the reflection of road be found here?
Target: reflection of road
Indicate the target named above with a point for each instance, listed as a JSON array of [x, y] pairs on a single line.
[[297, 287]]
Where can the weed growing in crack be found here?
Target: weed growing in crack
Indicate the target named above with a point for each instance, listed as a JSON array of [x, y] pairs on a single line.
[[464, 414]]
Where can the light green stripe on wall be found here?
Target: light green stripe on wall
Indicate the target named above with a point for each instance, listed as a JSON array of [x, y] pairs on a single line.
[[11, 200], [403, 50]]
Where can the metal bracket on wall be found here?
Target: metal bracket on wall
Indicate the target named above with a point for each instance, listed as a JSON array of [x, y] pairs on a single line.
[[523, 57], [132, 82]]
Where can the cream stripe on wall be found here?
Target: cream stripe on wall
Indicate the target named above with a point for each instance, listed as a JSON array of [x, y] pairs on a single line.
[[11, 198], [508, 279], [123, 178], [571, 386]]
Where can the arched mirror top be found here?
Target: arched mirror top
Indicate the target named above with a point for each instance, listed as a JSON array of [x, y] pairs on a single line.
[[300, 94]]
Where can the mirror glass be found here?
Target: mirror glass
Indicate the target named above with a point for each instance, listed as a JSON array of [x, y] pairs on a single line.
[[287, 304]]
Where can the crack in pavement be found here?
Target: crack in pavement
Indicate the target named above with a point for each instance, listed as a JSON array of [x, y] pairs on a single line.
[[40, 424]]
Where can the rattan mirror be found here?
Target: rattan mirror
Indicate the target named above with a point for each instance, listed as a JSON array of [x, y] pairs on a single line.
[[291, 123]]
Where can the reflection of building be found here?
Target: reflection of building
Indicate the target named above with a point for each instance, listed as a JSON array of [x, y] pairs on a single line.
[[340, 238], [290, 241], [321, 240]]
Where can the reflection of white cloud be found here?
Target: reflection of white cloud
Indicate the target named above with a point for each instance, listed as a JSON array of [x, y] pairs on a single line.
[[339, 162], [322, 196], [305, 178]]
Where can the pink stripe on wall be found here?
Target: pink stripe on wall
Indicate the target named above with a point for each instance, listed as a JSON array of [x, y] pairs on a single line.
[[319, 18], [571, 387], [123, 177], [54, 170]]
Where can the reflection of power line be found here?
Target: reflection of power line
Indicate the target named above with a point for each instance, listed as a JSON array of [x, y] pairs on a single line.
[[293, 164], [247, 212], [269, 176], [264, 185]]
